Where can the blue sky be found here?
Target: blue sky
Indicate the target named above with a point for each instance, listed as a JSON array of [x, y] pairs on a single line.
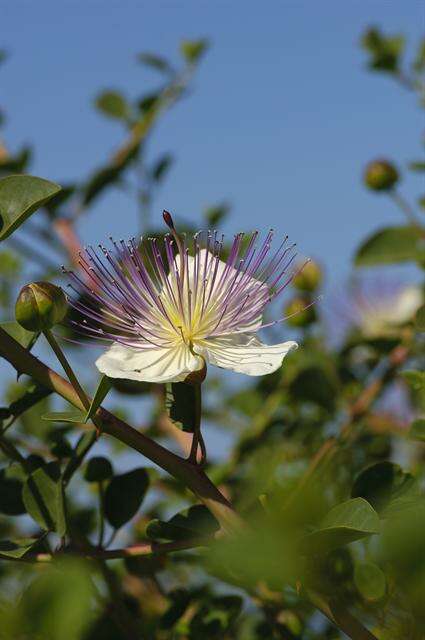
[[282, 118]]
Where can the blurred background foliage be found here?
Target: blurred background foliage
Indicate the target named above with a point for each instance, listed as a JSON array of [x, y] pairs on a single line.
[[324, 458]]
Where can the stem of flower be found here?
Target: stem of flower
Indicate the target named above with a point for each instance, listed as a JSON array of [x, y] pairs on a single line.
[[406, 208], [67, 368], [197, 439]]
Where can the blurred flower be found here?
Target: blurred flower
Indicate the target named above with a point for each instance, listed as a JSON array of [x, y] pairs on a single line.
[[377, 308], [167, 313]]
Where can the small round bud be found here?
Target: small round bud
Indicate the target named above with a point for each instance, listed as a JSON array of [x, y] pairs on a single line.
[[309, 278], [40, 305], [298, 314], [168, 219], [380, 175]]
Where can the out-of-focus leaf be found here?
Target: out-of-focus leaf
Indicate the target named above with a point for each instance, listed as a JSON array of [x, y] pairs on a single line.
[[11, 493], [215, 215], [386, 487], [16, 548], [389, 246], [124, 495], [112, 104], [420, 319], [102, 391], [180, 404], [415, 379], [385, 51], [149, 102], [17, 163], [58, 603], [215, 617], [419, 63], [98, 469], [180, 600], [417, 430], [43, 498], [59, 199], [25, 338], [76, 416], [20, 196], [345, 523], [192, 50], [3, 55], [370, 581], [418, 165], [155, 62], [107, 176], [31, 395], [161, 167], [197, 521]]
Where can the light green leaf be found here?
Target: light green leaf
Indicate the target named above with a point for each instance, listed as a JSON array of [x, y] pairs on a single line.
[[76, 416], [417, 430], [25, 338], [345, 523], [390, 245], [370, 581], [102, 391], [42, 495], [20, 196], [16, 548], [192, 50]]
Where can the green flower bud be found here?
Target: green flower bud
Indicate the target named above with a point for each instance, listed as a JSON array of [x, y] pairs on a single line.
[[300, 316], [309, 278], [380, 175], [40, 305]]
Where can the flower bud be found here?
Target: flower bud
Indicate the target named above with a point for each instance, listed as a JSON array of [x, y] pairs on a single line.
[[40, 305], [309, 278], [298, 314], [380, 175]]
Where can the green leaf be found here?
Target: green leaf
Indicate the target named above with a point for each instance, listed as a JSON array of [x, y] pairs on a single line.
[[25, 338], [417, 430], [386, 487], [155, 62], [197, 521], [180, 405], [76, 416], [98, 469], [370, 581], [385, 51], [420, 319], [216, 214], [390, 245], [161, 167], [16, 548], [415, 379], [192, 50], [20, 196], [43, 498], [418, 165], [11, 492], [345, 523], [102, 391], [112, 104], [30, 396], [124, 495]]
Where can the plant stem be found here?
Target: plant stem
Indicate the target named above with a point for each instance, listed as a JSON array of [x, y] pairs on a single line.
[[406, 208], [67, 368], [101, 515]]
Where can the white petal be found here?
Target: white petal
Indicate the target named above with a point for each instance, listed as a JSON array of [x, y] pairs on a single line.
[[171, 364], [244, 353]]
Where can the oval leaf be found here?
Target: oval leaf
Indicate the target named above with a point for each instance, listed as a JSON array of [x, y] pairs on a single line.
[[124, 496], [43, 498], [20, 196], [389, 246], [370, 581], [345, 523]]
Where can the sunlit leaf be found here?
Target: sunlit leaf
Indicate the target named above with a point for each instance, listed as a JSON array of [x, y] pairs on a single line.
[[102, 391], [25, 338], [76, 416], [20, 196], [389, 246]]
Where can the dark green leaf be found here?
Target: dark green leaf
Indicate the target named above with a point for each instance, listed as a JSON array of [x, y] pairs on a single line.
[[370, 581], [124, 495], [20, 196], [385, 51], [386, 486], [76, 416], [30, 396], [390, 245], [112, 104], [156, 62], [192, 50], [11, 493], [98, 469], [16, 548], [345, 523], [43, 498], [102, 391], [197, 521], [180, 404], [161, 167], [215, 215], [25, 338], [417, 430]]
